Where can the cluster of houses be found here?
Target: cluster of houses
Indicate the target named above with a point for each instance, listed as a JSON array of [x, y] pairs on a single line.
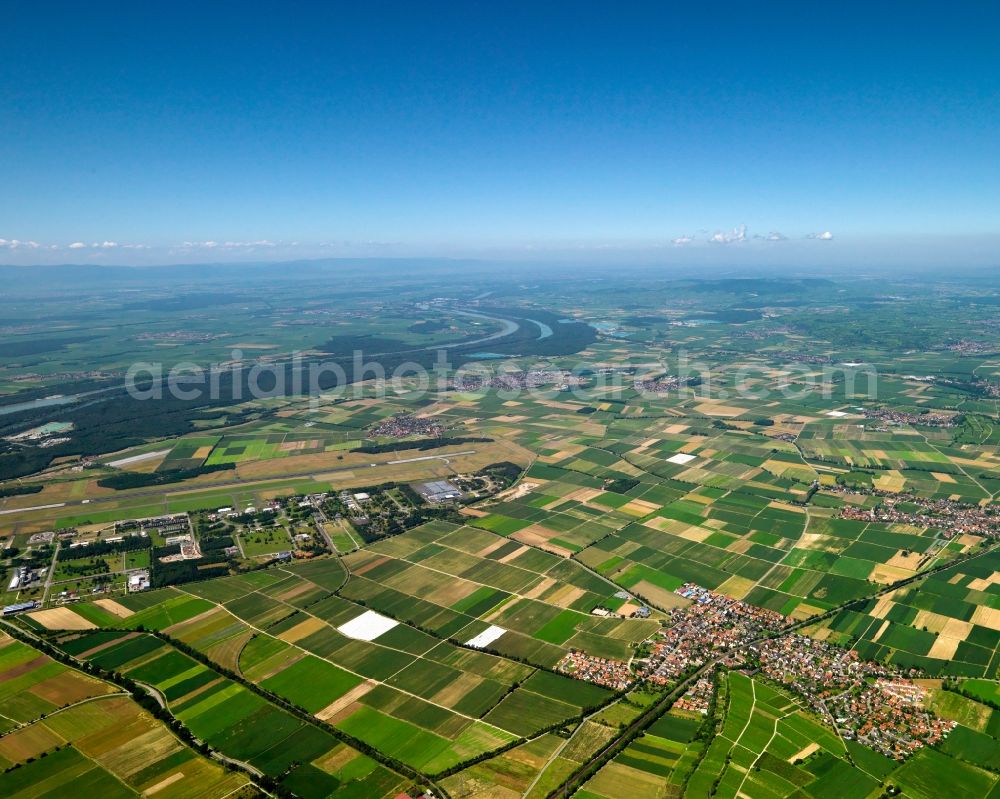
[[893, 417], [875, 704], [519, 381], [950, 517], [405, 425], [660, 385], [711, 626], [697, 698], [891, 723], [614, 674], [969, 347]]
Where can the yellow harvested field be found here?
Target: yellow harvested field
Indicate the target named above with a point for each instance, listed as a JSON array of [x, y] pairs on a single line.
[[882, 607], [302, 630], [565, 596], [809, 610], [114, 608], [544, 585], [689, 533], [778, 467], [883, 573], [718, 409], [944, 648], [341, 702], [786, 506], [582, 495], [491, 547], [736, 587], [61, 619], [453, 693], [986, 617], [334, 761], [659, 596], [533, 537], [802, 754], [887, 482], [516, 553], [902, 561], [640, 507], [164, 783]]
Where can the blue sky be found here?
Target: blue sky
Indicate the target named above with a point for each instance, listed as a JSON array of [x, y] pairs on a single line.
[[154, 132]]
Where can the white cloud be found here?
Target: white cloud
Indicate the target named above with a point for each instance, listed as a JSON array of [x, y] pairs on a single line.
[[237, 245], [233, 245], [826, 235], [680, 241], [109, 245], [737, 235], [77, 245]]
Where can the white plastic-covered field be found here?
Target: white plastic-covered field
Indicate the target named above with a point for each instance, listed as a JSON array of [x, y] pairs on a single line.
[[836, 414], [486, 637], [681, 457], [368, 626]]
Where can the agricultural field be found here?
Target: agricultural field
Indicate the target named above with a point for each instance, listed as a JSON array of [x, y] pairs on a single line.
[[65, 731], [657, 764], [417, 698], [229, 717], [33, 685], [393, 641], [769, 746], [112, 748], [946, 624], [458, 581]]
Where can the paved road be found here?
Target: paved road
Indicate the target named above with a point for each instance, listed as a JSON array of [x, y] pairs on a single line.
[[52, 573]]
